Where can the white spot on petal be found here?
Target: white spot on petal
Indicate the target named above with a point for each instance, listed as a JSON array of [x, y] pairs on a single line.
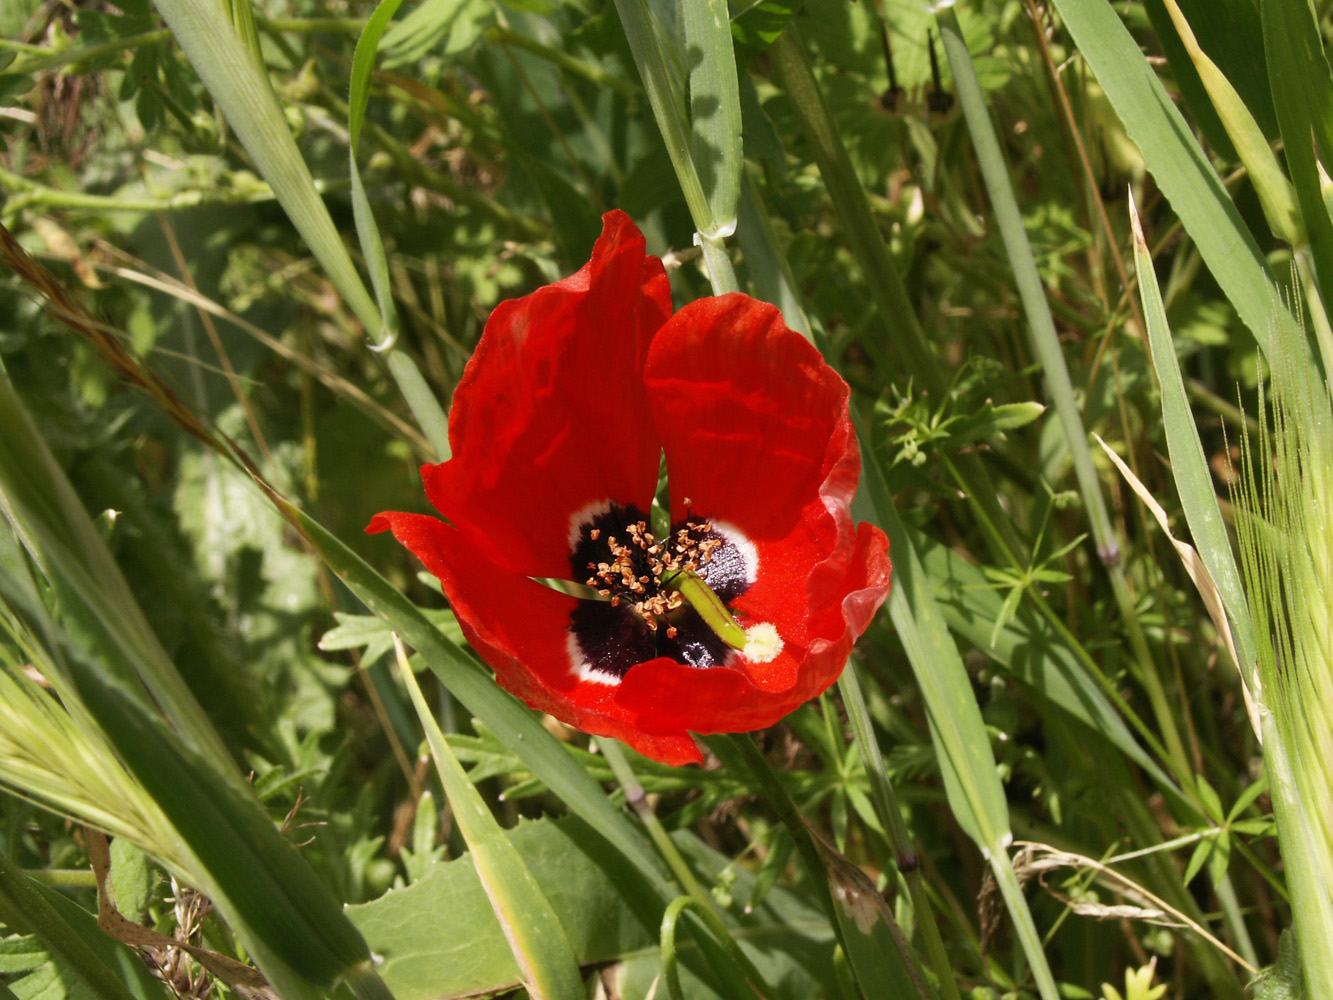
[[762, 643], [581, 517], [748, 552], [581, 668]]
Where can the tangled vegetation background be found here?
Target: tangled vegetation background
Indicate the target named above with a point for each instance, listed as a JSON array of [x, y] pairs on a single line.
[[1042, 774]]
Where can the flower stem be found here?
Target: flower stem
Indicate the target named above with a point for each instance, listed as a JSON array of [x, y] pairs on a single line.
[[721, 275], [634, 795]]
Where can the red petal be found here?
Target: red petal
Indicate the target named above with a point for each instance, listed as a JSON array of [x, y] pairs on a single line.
[[748, 413], [550, 415], [519, 627]]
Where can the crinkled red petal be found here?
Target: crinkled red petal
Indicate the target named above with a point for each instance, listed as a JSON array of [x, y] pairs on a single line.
[[550, 415], [750, 417], [519, 627]]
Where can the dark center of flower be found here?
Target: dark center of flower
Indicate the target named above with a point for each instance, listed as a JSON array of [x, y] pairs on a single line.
[[653, 585]]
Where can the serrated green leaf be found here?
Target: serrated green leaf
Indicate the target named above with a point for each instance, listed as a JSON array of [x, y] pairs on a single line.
[[133, 876], [533, 932]]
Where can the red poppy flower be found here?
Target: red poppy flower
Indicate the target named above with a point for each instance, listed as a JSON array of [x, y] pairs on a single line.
[[557, 429]]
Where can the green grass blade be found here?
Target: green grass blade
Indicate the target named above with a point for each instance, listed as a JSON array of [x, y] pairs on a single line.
[[1271, 185], [715, 110], [95, 597], [1009, 221], [1189, 466], [768, 268], [665, 93], [372, 245], [1302, 86], [1046, 345], [420, 397], [885, 803], [879, 962], [243, 93], [1035, 653], [1174, 158], [545, 960], [898, 321], [287, 918]]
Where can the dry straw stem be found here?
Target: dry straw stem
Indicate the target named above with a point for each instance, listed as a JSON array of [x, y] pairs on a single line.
[[248, 983], [1203, 582], [1034, 859]]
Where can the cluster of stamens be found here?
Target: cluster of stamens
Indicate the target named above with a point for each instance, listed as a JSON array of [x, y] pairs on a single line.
[[650, 592]]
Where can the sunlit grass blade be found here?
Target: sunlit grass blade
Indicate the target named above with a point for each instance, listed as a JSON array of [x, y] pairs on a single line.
[[543, 955], [243, 93], [1189, 466], [664, 87], [715, 110], [1175, 159], [372, 244], [1271, 185], [419, 396]]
